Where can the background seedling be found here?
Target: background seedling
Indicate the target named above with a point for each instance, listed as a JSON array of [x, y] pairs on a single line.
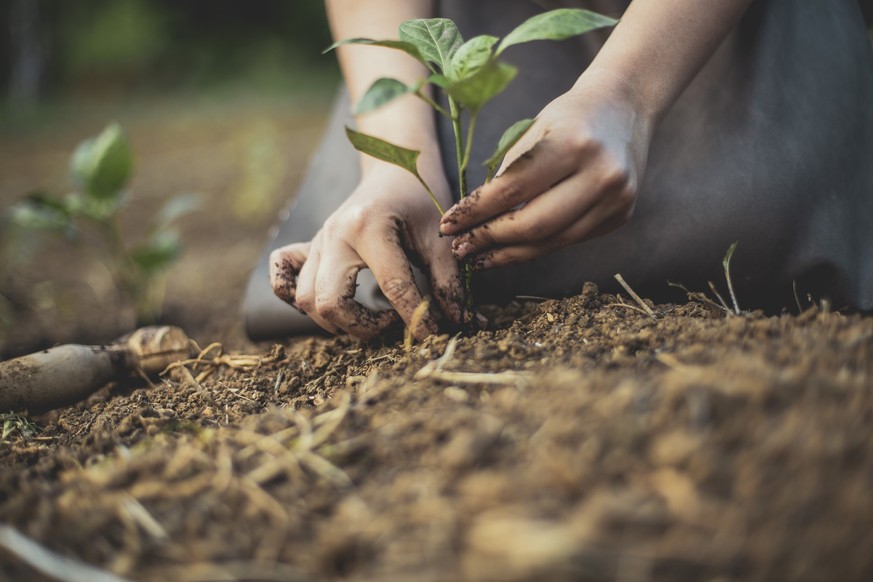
[[726, 263], [468, 75], [101, 168]]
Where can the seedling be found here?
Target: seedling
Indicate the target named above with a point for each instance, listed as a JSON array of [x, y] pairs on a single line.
[[722, 305], [16, 425], [468, 75], [101, 168]]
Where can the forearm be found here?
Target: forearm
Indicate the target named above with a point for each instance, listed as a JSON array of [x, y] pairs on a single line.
[[407, 121], [659, 46]]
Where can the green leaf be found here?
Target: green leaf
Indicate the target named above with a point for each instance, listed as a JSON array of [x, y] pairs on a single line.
[[102, 165], [393, 154], [509, 138], [726, 261], [385, 151], [482, 86], [557, 24], [42, 212], [158, 252], [437, 39], [439, 80], [382, 91], [407, 47], [174, 209], [471, 56]]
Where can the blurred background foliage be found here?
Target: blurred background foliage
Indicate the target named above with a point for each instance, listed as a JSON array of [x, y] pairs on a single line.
[[56, 48], [222, 98]]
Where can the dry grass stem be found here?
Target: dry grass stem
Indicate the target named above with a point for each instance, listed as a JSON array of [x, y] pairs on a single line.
[[699, 297], [211, 364], [721, 300], [634, 296], [48, 562], [143, 518], [415, 321], [433, 370], [626, 306]]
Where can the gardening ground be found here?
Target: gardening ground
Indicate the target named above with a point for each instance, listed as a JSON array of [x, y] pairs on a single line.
[[574, 440]]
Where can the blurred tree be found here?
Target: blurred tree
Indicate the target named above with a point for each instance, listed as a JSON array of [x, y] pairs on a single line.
[[27, 51], [53, 45]]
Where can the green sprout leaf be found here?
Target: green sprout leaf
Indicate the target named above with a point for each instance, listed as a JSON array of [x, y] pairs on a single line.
[[174, 209], [726, 263], [509, 138], [382, 91], [157, 253], [471, 56], [436, 39], [41, 211], [482, 86], [385, 151], [407, 47], [558, 24], [393, 154], [102, 165]]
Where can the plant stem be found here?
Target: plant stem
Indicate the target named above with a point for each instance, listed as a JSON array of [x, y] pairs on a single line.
[[126, 275], [433, 104], [469, 145], [459, 147], [432, 197], [462, 154]]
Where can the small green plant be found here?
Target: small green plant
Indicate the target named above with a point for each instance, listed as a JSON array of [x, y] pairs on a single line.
[[101, 168], [15, 424], [469, 75]]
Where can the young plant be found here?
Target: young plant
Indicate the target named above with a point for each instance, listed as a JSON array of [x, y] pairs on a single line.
[[101, 168], [469, 75]]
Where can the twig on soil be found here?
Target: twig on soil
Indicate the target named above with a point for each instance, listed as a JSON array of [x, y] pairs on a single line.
[[232, 361], [309, 440], [699, 297], [301, 453], [141, 516], [718, 296], [532, 298], [637, 298], [48, 562], [626, 306], [433, 370]]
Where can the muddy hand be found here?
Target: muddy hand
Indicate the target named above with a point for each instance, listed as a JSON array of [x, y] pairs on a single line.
[[574, 176], [386, 225]]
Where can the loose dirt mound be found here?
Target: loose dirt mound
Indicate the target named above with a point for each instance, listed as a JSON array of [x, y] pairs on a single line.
[[583, 441]]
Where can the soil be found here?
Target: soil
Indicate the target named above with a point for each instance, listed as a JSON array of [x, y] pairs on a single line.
[[579, 439]]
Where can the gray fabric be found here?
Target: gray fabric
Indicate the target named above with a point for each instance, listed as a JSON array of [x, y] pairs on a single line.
[[770, 145]]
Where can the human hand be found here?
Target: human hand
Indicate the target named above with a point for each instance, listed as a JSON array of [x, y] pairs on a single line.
[[572, 177], [386, 224]]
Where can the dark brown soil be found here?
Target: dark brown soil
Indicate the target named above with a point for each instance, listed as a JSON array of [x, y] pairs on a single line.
[[582, 441], [576, 440]]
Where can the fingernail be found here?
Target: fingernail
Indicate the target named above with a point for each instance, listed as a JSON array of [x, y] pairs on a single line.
[[463, 249]]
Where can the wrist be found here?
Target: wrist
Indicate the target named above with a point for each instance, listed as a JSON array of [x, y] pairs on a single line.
[[623, 92]]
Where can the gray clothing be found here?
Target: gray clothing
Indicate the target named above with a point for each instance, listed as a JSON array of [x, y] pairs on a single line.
[[770, 145]]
